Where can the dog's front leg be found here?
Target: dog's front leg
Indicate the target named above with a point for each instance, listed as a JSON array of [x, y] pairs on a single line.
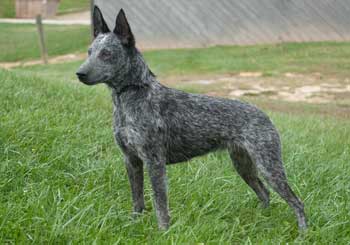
[[134, 167], [157, 173]]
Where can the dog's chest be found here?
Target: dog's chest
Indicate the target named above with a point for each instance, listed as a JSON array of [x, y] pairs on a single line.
[[138, 125], [126, 131]]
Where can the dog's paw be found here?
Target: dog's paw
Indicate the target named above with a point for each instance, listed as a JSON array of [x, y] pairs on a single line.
[[163, 227]]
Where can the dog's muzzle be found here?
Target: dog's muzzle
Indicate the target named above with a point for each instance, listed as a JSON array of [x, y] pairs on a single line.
[[82, 76]]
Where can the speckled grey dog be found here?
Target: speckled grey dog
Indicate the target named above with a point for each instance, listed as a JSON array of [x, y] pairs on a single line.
[[155, 125]]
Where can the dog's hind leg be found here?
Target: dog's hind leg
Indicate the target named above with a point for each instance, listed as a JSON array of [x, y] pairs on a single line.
[[247, 170], [269, 164]]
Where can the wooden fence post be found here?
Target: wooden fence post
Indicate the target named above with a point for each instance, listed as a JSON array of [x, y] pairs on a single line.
[[41, 39]]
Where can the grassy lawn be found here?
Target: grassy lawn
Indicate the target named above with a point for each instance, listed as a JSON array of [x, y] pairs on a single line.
[[328, 58], [21, 41], [62, 178], [69, 6], [324, 57]]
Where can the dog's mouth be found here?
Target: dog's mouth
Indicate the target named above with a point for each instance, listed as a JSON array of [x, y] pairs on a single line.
[[88, 83], [93, 82]]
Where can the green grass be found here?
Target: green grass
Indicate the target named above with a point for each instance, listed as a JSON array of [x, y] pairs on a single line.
[[21, 42], [7, 9], [69, 6], [326, 58], [62, 178]]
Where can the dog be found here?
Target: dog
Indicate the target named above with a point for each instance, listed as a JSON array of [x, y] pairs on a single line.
[[156, 125]]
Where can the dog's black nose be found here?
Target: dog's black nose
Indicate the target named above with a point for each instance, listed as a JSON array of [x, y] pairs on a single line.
[[81, 76]]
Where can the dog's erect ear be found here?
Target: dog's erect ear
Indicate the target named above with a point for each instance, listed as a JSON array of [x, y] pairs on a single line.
[[100, 25], [123, 31]]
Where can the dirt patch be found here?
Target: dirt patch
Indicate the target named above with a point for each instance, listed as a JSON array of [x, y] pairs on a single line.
[[289, 87], [85, 15], [53, 60], [288, 93]]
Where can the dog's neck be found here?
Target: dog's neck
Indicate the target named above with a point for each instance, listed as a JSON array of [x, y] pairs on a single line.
[[139, 76], [135, 84]]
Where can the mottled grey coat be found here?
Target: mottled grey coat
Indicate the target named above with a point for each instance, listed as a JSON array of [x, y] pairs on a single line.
[[155, 125]]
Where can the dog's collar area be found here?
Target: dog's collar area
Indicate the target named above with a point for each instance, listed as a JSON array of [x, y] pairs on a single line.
[[129, 87]]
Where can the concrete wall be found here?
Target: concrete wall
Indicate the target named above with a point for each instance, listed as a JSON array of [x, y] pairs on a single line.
[[200, 23]]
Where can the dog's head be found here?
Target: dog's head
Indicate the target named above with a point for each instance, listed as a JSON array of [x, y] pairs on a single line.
[[108, 57]]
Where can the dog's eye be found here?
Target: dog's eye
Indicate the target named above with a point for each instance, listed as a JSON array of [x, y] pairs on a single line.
[[105, 54], [89, 51]]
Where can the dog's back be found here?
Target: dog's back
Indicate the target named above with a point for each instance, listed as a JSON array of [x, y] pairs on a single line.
[[197, 124]]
